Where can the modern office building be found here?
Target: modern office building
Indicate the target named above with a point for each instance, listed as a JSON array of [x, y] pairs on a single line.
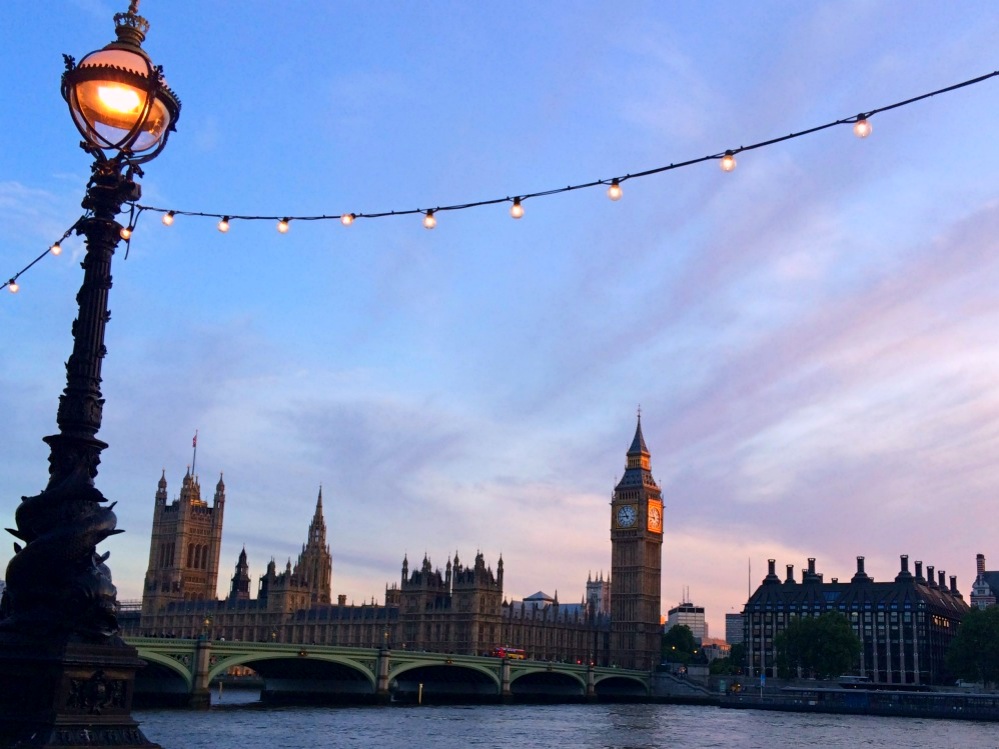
[[733, 629], [689, 615]]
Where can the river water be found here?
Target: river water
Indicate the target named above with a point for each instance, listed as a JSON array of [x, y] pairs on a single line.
[[238, 723]]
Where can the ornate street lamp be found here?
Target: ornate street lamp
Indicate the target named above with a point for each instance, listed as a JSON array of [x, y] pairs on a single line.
[[68, 677]]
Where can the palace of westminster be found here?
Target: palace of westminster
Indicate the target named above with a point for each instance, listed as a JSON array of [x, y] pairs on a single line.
[[460, 610]]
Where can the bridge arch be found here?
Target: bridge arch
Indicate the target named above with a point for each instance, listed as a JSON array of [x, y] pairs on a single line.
[[448, 681], [545, 681], [620, 686], [395, 671], [316, 665], [168, 664]]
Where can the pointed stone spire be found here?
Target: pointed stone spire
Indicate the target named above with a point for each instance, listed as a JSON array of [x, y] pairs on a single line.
[[638, 443], [161, 489], [240, 588], [220, 493], [637, 469], [317, 528]]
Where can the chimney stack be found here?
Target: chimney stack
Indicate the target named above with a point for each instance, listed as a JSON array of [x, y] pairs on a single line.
[[943, 580], [980, 564], [790, 574], [919, 571], [771, 577], [953, 585], [903, 571], [860, 576], [930, 579]]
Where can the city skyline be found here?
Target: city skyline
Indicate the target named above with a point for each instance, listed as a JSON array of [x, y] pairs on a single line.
[[809, 337]]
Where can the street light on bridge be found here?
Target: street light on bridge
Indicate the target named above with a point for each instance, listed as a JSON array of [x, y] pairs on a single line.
[[68, 677]]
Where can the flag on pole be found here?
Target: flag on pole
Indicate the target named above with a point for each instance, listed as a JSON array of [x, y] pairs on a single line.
[[195, 441]]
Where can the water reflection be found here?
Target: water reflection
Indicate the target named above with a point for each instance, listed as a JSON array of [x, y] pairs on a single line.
[[238, 721]]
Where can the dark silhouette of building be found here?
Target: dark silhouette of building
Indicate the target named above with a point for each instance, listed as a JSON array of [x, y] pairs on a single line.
[[904, 625]]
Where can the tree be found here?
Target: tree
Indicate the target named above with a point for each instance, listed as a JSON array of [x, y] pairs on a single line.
[[974, 651], [822, 646], [733, 663], [679, 645]]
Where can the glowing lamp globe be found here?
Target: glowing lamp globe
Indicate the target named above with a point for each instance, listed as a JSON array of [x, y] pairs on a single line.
[[862, 127], [119, 100]]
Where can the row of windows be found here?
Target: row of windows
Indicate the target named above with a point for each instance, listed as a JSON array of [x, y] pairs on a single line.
[[828, 605], [197, 556]]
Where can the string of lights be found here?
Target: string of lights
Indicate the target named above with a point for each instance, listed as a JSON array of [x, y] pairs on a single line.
[[726, 159], [54, 249]]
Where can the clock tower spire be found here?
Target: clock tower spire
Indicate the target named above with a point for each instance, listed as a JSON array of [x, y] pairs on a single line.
[[636, 561]]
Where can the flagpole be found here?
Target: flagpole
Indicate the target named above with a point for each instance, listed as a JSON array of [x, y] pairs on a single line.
[[194, 460]]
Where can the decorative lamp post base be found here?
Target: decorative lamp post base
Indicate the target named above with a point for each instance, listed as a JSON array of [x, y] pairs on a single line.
[[67, 695]]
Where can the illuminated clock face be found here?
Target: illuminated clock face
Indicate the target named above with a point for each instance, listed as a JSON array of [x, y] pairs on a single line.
[[626, 516], [655, 519]]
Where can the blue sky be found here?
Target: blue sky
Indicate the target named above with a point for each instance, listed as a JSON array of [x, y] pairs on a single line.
[[811, 338]]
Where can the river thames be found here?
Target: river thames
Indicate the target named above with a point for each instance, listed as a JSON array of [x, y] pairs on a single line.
[[240, 724]]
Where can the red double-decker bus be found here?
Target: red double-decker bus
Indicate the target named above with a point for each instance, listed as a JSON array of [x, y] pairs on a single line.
[[515, 654]]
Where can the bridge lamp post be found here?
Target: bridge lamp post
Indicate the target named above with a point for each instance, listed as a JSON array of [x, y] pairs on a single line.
[[68, 677]]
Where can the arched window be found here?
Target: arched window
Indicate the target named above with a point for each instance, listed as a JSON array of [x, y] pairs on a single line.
[[190, 555]]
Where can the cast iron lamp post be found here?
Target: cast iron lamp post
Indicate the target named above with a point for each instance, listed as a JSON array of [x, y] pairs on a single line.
[[67, 676]]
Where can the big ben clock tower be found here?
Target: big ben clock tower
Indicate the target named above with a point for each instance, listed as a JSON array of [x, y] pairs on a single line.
[[636, 562]]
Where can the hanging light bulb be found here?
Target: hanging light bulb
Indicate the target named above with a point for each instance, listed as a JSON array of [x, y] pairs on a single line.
[[126, 232], [347, 219], [56, 249], [12, 286], [224, 224], [516, 210], [862, 128], [614, 192], [728, 162], [283, 226], [168, 218], [429, 221]]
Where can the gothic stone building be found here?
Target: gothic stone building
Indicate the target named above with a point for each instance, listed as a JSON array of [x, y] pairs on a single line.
[[184, 547], [461, 609], [904, 625]]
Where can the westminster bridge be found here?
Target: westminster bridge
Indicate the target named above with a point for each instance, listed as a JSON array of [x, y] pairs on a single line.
[[179, 672]]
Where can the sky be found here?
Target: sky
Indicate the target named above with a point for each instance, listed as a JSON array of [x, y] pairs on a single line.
[[811, 338]]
